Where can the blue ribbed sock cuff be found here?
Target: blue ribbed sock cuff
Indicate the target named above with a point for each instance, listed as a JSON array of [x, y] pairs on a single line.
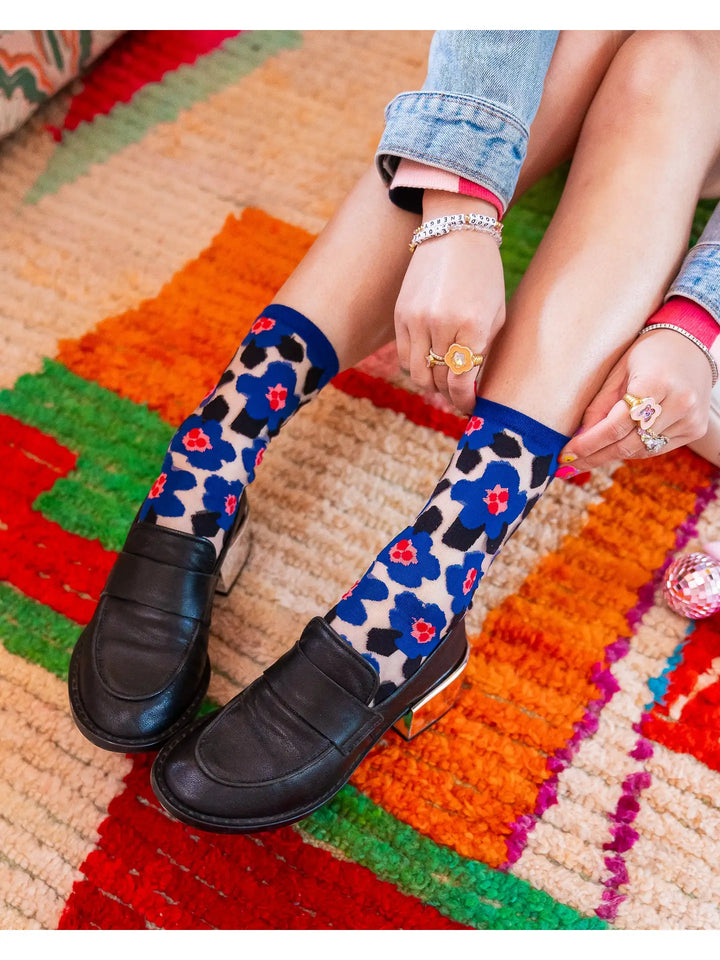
[[538, 438]]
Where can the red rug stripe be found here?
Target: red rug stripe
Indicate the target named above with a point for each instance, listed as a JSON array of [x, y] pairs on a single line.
[[138, 58], [59, 569], [358, 384], [149, 869]]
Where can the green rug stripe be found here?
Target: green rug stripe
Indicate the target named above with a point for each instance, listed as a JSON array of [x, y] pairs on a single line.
[[119, 444], [155, 103], [466, 890], [35, 632]]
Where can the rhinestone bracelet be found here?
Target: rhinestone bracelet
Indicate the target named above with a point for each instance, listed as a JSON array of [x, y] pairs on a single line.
[[456, 221], [698, 343]]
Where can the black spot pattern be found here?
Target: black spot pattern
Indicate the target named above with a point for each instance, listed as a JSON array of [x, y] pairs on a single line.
[[540, 469], [468, 460], [291, 349], [384, 691], [506, 446], [247, 426], [460, 537], [382, 641], [312, 380], [216, 409], [429, 520], [205, 523], [442, 485], [492, 546], [252, 355]]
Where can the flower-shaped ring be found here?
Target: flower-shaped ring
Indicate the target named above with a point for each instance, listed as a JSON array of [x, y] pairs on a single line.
[[459, 359], [645, 410]]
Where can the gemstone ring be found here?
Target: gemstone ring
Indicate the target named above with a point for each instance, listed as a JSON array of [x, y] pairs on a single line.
[[458, 359]]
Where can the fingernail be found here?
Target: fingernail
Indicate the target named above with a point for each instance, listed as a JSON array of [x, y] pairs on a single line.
[[564, 473], [567, 458]]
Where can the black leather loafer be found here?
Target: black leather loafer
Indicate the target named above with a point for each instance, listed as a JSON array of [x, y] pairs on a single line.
[[140, 668], [286, 744]]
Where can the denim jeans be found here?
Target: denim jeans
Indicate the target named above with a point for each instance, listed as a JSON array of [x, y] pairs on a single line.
[[473, 115]]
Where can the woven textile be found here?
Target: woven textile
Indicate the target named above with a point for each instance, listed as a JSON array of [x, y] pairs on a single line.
[[146, 218]]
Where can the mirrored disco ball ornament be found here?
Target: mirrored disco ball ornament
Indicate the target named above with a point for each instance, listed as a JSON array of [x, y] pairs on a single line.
[[692, 586]]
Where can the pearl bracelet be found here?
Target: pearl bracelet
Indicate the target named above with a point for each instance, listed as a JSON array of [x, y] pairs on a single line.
[[698, 343], [456, 221]]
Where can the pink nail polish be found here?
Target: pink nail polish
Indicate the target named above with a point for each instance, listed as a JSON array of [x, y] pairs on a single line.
[[564, 473]]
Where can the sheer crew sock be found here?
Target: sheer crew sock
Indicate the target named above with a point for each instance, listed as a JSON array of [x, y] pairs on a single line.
[[423, 581], [282, 363]]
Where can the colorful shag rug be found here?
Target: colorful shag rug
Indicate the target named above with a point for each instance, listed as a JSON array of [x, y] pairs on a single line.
[[147, 214]]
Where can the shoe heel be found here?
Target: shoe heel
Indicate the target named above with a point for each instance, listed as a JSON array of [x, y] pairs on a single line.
[[235, 558], [434, 705]]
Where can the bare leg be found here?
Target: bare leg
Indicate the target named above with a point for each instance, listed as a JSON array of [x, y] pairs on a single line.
[[349, 281], [620, 230]]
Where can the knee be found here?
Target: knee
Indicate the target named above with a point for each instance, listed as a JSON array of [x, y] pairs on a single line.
[[661, 71]]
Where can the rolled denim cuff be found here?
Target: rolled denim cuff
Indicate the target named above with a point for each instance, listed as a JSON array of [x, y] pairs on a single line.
[[466, 135], [699, 278]]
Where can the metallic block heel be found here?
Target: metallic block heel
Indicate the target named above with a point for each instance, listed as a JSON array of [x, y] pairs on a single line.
[[236, 557], [433, 705]]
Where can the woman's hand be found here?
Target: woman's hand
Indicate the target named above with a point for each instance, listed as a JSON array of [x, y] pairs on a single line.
[[662, 364], [453, 292]]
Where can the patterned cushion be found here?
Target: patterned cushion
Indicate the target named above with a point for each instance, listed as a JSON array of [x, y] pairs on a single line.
[[35, 64]]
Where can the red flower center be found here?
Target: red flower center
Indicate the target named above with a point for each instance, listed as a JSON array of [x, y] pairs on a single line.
[[158, 487], [262, 324], [422, 631], [259, 457], [196, 439], [277, 396], [474, 423], [403, 552], [496, 499], [470, 580], [230, 504]]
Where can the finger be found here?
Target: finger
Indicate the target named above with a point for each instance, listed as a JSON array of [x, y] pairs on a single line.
[[441, 340], [632, 448], [670, 424], [402, 344], [461, 386], [421, 374], [615, 427], [440, 376]]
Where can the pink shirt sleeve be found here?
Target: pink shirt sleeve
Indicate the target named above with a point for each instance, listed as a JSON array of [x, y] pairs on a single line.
[[420, 176], [693, 319]]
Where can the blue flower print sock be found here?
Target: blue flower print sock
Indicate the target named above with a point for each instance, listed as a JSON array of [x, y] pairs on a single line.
[[282, 363], [423, 581]]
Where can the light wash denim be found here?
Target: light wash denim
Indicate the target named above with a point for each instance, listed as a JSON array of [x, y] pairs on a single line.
[[473, 115], [699, 276]]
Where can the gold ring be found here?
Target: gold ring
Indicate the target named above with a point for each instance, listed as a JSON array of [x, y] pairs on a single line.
[[458, 359], [645, 410]]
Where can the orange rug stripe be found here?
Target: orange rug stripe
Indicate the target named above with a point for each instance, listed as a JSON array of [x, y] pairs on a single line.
[[169, 351]]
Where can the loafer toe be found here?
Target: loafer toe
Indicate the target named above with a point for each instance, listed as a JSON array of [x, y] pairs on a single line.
[[140, 668]]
